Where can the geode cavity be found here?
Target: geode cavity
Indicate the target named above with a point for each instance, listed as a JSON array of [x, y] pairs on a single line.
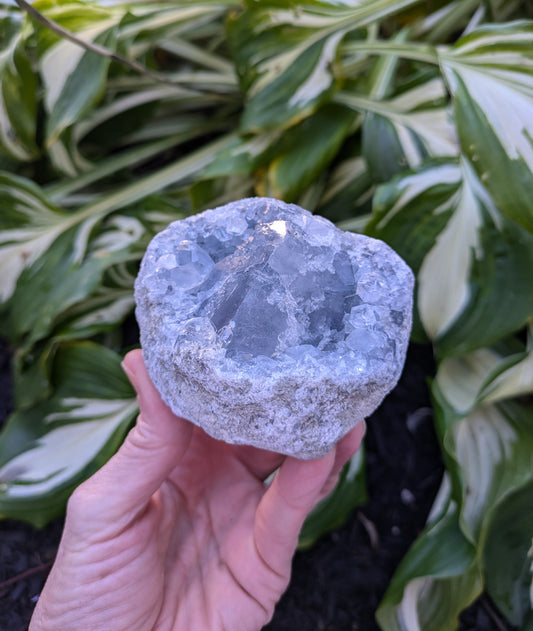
[[268, 326]]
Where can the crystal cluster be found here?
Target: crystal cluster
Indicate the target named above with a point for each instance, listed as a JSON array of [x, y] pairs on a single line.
[[267, 325]]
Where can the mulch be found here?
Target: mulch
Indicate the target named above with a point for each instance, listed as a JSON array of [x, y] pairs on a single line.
[[336, 585]]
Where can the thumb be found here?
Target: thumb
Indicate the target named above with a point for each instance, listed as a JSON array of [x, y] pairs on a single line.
[[124, 485]]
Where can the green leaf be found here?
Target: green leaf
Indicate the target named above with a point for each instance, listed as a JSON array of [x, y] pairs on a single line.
[[348, 193], [528, 624], [31, 374], [490, 74], [488, 438], [182, 170], [308, 149], [114, 165], [403, 132], [106, 307], [47, 450], [506, 562], [29, 224], [485, 376], [300, 90], [66, 263], [73, 15], [471, 262], [242, 155], [435, 581], [73, 78], [52, 285], [18, 98], [333, 511], [489, 446], [287, 58]]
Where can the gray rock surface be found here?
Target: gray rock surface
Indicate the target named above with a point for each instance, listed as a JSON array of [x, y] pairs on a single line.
[[268, 326]]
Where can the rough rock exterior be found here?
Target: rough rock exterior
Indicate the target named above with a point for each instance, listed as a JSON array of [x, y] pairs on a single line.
[[268, 326]]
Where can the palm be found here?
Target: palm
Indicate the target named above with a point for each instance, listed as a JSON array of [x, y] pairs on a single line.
[[216, 543]]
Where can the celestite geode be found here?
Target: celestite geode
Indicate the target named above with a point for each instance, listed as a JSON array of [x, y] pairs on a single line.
[[268, 326]]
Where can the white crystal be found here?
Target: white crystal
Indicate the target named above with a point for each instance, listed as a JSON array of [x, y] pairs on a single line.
[[268, 326]]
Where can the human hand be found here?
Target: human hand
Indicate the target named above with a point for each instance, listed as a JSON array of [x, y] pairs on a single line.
[[178, 531]]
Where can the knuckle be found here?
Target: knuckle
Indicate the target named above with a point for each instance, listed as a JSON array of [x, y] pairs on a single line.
[[80, 501]]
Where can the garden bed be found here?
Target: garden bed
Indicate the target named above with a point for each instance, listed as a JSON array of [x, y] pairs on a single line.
[[336, 585]]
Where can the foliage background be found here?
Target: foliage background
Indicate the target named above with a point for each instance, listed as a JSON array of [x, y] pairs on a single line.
[[411, 120]]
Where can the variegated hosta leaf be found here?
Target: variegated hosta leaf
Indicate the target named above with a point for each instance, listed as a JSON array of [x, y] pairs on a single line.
[[287, 57], [333, 511], [485, 376], [99, 312], [454, 16], [29, 224], [489, 446], [44, 255], [105, 125], [73, 15], [435, 581], [18, 95], [193, 164], [46, 450], [154, 24], [58, 282], [472, 263], [74, 78], [506, 562], [51, 259], [108, 306], [115, 165], [488, 440], [490, 74], [403, 132], [136, 107]]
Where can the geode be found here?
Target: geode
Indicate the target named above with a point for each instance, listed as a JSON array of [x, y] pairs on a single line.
[[268, 326]]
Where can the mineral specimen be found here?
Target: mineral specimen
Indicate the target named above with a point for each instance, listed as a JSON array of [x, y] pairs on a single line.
[[266, 325]]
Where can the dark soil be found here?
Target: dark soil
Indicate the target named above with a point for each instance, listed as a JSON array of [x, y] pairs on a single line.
[[338, 584]]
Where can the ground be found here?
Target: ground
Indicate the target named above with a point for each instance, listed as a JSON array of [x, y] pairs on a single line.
[[335, 586]]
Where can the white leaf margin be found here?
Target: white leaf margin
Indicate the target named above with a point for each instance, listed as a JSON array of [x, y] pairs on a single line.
[[62, 453], [478, 378], [489, 447], [496, 68]]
